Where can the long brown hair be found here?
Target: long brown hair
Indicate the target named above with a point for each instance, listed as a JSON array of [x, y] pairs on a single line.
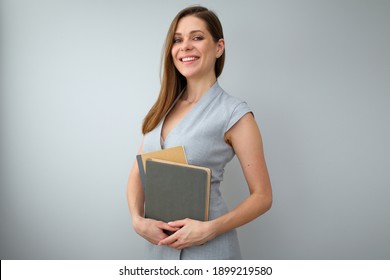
[[172, 82]]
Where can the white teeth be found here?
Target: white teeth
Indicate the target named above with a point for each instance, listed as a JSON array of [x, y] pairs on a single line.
[[185, 59]]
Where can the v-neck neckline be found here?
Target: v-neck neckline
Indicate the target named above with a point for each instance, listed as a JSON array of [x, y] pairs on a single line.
[[186, 116]]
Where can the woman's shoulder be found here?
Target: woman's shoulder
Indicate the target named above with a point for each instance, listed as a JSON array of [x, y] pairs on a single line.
[[229, 101], [232, 108]]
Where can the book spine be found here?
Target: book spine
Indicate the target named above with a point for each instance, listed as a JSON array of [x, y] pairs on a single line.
[[141, 170]]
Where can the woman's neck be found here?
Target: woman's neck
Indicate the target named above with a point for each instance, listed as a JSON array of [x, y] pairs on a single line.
[[196, 89]]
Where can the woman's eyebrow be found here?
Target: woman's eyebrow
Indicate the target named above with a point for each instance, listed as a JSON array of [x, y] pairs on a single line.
[[191, 32]]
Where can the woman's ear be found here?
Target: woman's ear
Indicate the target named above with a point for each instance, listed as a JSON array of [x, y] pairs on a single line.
[[220, 47]]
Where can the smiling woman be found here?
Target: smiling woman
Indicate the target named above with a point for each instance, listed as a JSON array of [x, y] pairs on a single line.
[[193, 111], [195, 51]]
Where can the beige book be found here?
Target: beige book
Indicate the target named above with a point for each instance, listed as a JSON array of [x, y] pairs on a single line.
[[174, 154]]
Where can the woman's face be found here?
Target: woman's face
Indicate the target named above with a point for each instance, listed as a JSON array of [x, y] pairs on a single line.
[[194, 51]]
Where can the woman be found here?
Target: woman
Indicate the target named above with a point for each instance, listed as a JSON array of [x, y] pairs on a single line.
[[192, 110]]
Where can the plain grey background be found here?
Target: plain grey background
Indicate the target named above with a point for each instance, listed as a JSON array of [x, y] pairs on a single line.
[[77, 78]]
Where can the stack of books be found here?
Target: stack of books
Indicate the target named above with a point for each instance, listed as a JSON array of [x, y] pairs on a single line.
[[174, 189]]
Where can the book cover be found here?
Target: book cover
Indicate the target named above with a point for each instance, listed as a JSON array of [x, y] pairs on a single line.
[[174, 154], [176, 191]]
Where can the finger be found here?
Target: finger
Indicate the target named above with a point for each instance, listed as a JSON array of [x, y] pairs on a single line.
[[177, 245], [178, 223], [168, 240], [168, 227]]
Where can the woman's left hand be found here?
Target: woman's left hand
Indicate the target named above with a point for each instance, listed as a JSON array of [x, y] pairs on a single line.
[[191, 233]]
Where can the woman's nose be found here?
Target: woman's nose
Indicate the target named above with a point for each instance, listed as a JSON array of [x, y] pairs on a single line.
[[186, 45]]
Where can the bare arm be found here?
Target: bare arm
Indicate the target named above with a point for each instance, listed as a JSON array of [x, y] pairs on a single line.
[[246, 141], [149, 229], [135, 193]]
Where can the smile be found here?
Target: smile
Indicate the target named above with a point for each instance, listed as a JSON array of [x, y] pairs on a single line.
[[189, 58]]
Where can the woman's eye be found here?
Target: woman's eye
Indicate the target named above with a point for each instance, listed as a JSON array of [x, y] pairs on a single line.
[[198, 38], [176, 40]]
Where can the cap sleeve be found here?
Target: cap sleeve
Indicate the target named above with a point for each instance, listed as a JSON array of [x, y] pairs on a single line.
[[238, 112]]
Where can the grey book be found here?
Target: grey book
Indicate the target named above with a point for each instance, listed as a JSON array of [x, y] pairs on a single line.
[[176, 191]]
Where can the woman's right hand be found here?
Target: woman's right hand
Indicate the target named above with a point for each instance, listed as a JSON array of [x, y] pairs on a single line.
[[152, 230]]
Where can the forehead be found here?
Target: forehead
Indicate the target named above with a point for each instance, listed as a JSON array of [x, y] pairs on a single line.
[[190, 23]]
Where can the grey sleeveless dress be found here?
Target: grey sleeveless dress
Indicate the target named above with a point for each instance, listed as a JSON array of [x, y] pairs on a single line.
[[201, 132]]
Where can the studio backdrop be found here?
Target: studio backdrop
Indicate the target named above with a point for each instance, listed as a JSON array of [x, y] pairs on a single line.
[[78, 77]]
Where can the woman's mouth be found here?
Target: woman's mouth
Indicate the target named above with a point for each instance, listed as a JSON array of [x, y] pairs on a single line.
[[189, 58]]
